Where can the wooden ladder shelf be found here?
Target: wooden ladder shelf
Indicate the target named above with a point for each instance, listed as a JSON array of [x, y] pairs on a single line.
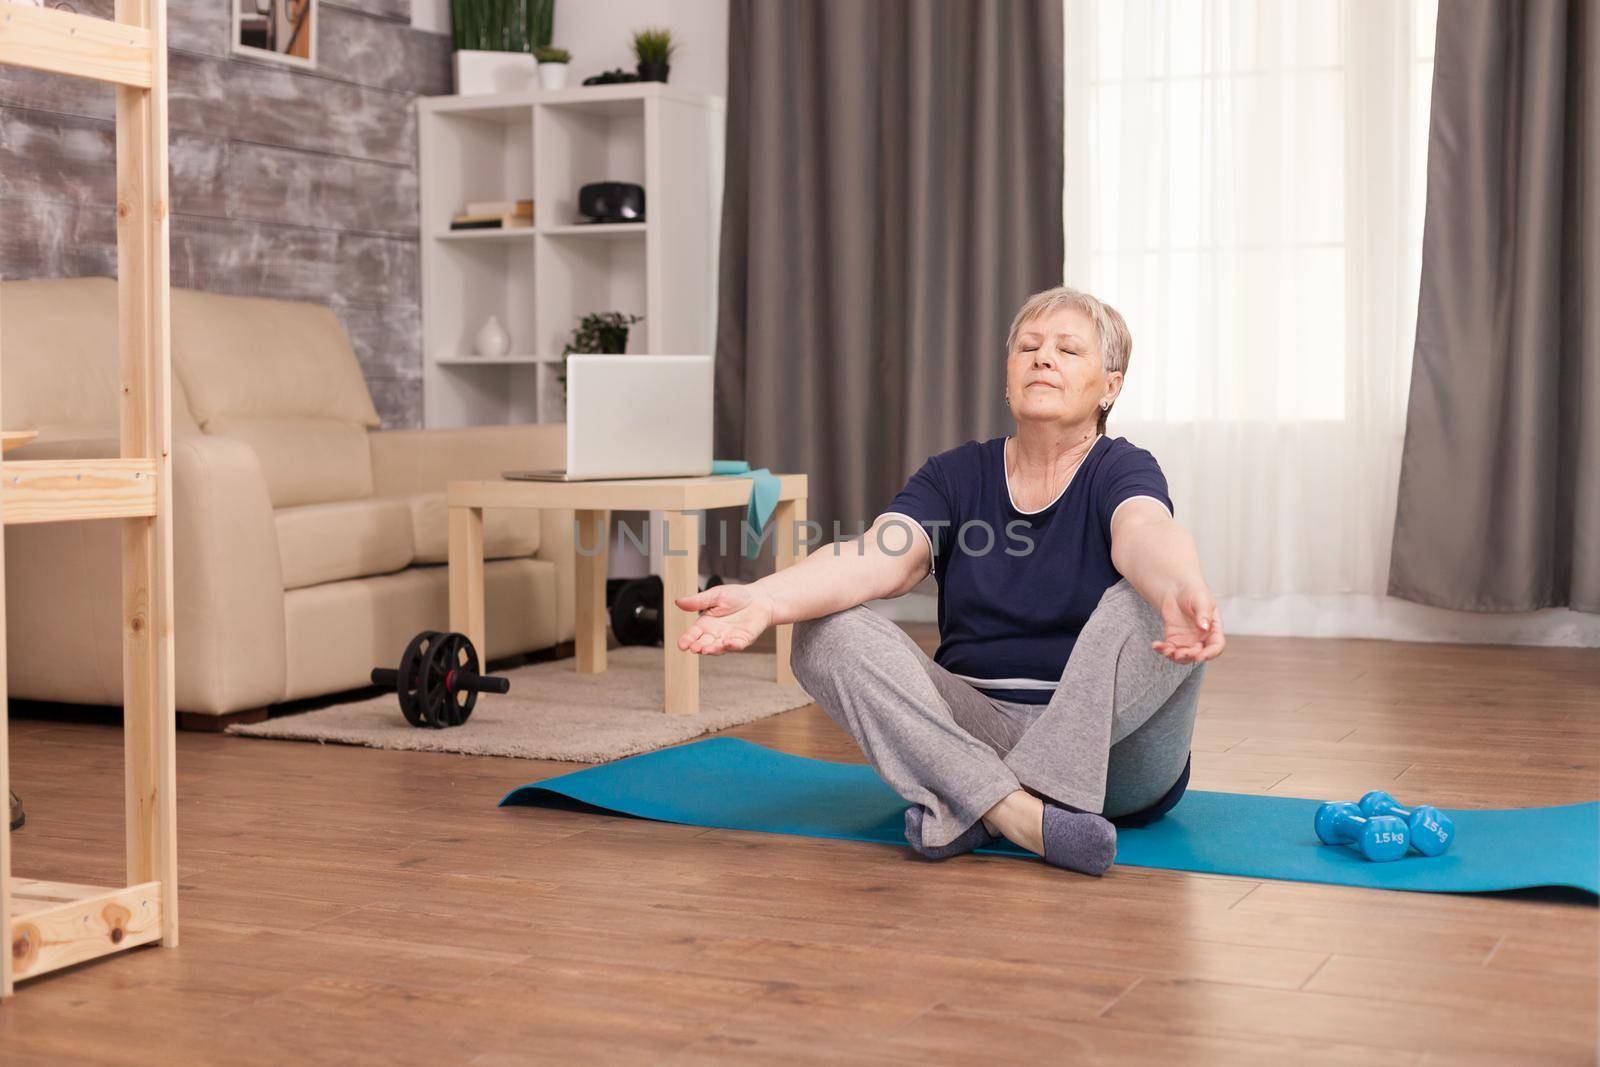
[[49, 925]]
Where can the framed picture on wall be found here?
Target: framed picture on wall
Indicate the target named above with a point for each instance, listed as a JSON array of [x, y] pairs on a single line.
[[285, 30]]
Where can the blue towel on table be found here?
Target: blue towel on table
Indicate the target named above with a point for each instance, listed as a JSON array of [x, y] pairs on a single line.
[[763, 498]]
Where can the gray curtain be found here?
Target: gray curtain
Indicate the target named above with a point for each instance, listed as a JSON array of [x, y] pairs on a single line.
[[893, 193], [1499, 506]]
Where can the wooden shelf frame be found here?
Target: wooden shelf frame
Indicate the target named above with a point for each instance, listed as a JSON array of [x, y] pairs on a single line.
[[49, 925]]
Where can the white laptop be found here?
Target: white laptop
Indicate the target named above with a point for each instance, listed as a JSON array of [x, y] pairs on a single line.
[[635, 417]]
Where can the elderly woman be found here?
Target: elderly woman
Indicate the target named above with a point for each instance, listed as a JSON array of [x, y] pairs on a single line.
[[1073, 617]]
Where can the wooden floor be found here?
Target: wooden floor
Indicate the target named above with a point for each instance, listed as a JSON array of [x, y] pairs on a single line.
[[345, 906]]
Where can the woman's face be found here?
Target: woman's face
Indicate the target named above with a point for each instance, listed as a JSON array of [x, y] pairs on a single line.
[[1054, 373], [1055, 370]]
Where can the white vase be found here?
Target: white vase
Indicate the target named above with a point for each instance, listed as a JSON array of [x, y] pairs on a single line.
[[552, 75], [492, 340], [479, 71]]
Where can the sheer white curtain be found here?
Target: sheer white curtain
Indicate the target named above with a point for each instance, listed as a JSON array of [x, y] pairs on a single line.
[[1245, 183]]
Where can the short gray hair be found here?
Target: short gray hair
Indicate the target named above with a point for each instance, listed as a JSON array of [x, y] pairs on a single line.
[[1115, 340]]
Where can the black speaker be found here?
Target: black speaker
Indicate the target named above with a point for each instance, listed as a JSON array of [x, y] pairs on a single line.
[[611, 202]]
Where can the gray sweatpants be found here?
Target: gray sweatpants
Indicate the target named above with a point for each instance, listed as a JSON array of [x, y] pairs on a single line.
[[1112, 740]]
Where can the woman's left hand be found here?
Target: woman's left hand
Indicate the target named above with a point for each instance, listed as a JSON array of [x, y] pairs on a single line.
[[1193, 625]]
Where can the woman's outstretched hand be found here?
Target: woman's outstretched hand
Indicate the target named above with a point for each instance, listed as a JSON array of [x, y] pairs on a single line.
[[731, 617], [1194, 627]]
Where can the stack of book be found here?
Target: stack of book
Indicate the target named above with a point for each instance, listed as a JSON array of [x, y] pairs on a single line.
[[494, 215]]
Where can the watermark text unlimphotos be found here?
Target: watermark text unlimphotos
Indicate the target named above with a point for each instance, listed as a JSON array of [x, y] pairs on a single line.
[[892, 536]]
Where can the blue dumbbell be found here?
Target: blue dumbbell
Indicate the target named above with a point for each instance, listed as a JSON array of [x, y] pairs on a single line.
[[1431, 829], [1380, 839]]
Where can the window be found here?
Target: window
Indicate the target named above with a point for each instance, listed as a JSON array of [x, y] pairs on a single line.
[[1245, 181]]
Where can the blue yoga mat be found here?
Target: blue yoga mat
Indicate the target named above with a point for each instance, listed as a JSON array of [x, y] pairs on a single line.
[[735, 785]]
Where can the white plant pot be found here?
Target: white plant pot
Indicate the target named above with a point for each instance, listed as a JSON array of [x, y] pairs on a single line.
[[552, 75], [492, 340], [493, 72]]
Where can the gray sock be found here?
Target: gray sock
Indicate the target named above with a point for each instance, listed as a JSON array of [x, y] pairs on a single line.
[[975, 836], [1078, 840]]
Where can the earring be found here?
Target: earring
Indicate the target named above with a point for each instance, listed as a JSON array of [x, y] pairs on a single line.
[[1105, 405]]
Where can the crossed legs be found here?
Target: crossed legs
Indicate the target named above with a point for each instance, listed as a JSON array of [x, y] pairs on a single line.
[[1112, 740]]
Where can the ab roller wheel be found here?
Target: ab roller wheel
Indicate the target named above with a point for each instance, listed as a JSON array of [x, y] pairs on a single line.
[[438, 681]]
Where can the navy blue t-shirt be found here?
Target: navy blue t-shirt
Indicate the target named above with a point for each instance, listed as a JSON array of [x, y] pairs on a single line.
[[1015, 587]]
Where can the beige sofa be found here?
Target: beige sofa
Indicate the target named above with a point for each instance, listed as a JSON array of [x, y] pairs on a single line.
[[308, 545]]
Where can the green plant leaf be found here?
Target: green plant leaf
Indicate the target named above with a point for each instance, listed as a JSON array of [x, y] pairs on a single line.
[[598, 333], [501, 25], [541, 22], [654, 45]]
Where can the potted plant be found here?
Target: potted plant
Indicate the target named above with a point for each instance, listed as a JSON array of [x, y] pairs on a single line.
[[654, 49], [494, 42], [552, 66], [597, 334]]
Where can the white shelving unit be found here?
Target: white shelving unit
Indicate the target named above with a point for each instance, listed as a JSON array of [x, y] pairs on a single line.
[[540, 280]]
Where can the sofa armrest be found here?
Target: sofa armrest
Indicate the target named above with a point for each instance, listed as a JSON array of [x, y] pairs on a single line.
[[424, 461], [227, 586], [228, 578]]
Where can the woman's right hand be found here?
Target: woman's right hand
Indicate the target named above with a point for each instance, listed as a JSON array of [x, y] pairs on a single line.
[[731, 617]]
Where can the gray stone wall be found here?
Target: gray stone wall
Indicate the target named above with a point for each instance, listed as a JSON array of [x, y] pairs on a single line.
[[285, 182]]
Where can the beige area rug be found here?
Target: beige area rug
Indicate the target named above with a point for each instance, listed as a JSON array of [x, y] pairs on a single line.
[[555, 713]]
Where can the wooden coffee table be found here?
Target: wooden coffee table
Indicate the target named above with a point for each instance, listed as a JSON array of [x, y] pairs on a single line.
[[592, 503]]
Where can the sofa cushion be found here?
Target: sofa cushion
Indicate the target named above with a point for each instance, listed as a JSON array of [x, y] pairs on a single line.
[[59, 339], [305, 461], [507, 532], [249, 357], [320, 543]]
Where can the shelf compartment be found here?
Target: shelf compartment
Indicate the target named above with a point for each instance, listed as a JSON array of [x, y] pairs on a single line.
[[66, 490], [503, 391], [489, 278], [58, 924], [580, 145], [579, 277], [469, 158]]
